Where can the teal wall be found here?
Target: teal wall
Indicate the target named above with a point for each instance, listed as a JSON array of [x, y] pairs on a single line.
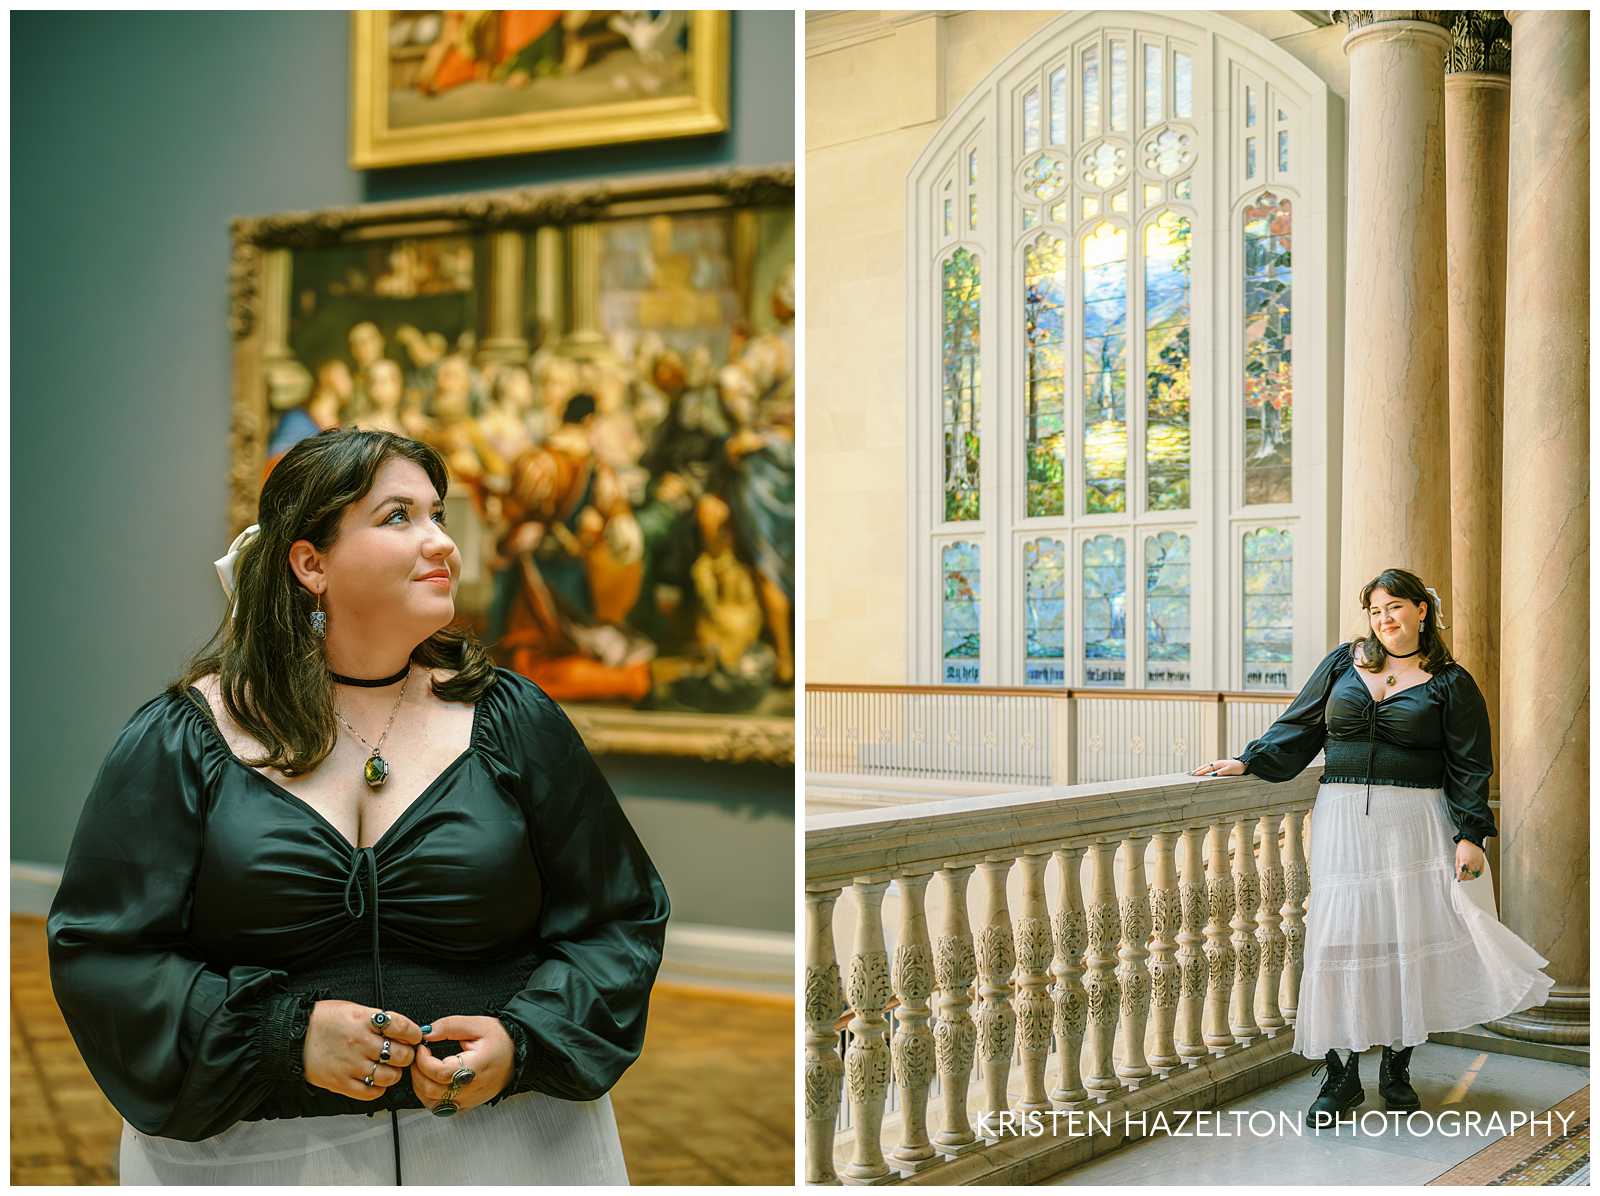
[[126, 166]]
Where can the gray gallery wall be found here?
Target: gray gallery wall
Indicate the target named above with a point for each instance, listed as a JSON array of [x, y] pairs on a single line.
[[135, 138]]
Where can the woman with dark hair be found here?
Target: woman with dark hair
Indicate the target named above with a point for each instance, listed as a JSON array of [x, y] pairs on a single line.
[[1394, 948], [345, 865]]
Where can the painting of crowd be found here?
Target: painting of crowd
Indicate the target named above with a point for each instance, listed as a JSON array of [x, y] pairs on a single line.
[[637, 505]]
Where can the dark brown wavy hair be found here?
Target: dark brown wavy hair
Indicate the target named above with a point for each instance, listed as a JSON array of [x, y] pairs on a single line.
[[273, 675], [1402, 584]]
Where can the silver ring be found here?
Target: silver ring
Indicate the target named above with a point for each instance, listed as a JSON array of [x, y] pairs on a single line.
[[380, 1020], [367, 1079], [383, 1055]]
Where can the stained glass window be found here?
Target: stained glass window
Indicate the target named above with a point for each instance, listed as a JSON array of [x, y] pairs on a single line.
[[1105, 622], [1030, 121], [1249, 157], [1249, 107], [1044, 566], [1046, 178], [1091, 91], [972, 168], [972, 211], [1058, 106], [1105, 369], [1182, 85], [1168, 271], [1119, 87], [1268, 608], [959, 564], [1044, 299], [1030, 217], [1283, 150], [1152, 194], [1154, 78], [1167, 604], [1183, 189], [962, 293], [949, 217], [1268, 344], [1091, 206]]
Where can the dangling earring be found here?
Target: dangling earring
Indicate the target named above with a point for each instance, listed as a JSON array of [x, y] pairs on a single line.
[[319, 619]]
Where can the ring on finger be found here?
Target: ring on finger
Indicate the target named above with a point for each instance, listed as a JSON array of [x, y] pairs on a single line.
[[380, 1020], [383, 1055], [367, 1079]]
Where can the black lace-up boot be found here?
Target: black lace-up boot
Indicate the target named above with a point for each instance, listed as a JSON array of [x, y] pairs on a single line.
[[1341, 1089], [1394, 1081]]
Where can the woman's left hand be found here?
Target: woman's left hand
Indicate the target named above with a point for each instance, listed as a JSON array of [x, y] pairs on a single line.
[[485, 1047], [1469, 860]]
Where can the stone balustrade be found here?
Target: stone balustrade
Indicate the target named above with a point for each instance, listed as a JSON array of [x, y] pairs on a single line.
[[1070, 948]]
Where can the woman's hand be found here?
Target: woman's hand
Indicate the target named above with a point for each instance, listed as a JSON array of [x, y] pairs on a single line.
[[486, 1048], [1469, 860], [343, 1046], [1220, 768]]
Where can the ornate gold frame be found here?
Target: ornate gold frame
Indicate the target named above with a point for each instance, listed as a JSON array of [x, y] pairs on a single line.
[[373, 144], [259, 292]]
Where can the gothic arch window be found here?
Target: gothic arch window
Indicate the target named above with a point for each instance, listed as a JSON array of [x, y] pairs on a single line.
[[1114, 431]]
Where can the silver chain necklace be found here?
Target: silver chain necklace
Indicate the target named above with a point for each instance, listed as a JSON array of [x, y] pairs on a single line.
[[376, 770]]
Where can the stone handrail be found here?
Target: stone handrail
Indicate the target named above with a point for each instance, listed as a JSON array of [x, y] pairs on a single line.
[[1198, 954]]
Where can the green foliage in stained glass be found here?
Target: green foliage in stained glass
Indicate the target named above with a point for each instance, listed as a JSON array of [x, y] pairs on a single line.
[[961, 384], [1044, 296], [962, 606], [1268, 588], [1105, 383], [1268, 351], [1168, 271]]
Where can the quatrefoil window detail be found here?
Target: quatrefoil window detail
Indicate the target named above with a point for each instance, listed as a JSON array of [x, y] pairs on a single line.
[[1044, 178], [1168, 153], [1104, 165]]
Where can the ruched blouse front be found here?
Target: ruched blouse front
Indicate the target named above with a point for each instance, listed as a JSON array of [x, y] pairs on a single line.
[[203, 908], [1434, 734]]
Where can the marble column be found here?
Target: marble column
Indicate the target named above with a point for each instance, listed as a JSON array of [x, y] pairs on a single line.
[[1544, 593], [1477, 110], [1395, 509]]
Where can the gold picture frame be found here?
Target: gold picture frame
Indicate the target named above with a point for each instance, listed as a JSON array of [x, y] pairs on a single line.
[[681, 93]]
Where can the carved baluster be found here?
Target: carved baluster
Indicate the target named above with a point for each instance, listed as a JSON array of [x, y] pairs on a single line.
[[1192, 963], [1247, 963], [912, 1048], [1133, 976], [1296, 886], [954, 968], [1164, 974], [1033, 981], [1100, 977], [1219, 952], [997, 1029], [1269, 928], [1067, 993], [824, 1068], [866, 1063]]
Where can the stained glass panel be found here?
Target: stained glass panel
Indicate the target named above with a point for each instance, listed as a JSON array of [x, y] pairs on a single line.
[[1249, 157], [1030, 217], [1045, 178], [1105, 623], [972, 211], [1058, 212], [1119, 202], [1105, 320], [1044, 298], [961, 300], [1169, 156], [1268, 350], [1268, 592], [1154, 78], [1249, 107], [1091, 92], [949, 217], [960, 613], [1167, 601], [1182, 85], [1168, 271], [1030, 121], [972, 168], [1044, 567], [1058, 106], [1119, 87], [1091, 206], [1152, 194], [1183, 189], [1283, 151]]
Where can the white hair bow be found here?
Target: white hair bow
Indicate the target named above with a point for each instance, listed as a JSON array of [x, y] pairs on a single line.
[[226, 564], [1438, 606]]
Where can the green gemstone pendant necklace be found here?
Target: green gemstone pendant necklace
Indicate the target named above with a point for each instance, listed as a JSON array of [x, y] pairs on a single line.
[[376, 770]]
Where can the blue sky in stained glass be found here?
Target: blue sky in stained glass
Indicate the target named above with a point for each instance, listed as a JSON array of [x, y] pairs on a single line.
[[1153, 82], [1105, 598], [1058, 106], [1044, 570], [961, 600]]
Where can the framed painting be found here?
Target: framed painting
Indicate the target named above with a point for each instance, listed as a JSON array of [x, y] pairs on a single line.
[[435, 86], [608, 371]]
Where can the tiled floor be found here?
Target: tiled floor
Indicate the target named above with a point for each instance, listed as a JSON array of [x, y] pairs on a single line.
[[709, 1058], [1446, 1077]]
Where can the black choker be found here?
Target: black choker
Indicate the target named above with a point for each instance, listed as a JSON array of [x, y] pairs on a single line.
[[343, 680], [1398, 655]]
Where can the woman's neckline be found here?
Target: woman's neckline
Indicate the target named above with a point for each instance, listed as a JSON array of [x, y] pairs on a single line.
[[1427, 677]]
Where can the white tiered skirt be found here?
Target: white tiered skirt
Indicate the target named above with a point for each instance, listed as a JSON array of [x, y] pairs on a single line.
[[530, 1138], [1395, 946]]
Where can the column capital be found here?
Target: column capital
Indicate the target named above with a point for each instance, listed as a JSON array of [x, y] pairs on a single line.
[[1480, 43], [1359, 18]]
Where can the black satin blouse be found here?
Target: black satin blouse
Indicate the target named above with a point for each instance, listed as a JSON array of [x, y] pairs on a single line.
[[1433, 735], [203, 908]]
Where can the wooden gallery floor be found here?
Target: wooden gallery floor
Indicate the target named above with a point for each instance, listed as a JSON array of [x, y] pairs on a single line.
[[711, 1100]]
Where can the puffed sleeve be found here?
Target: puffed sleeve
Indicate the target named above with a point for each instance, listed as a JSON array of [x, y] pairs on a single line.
[[579, 1021], [1468, 758], [1286, 747], [183, 1051]]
